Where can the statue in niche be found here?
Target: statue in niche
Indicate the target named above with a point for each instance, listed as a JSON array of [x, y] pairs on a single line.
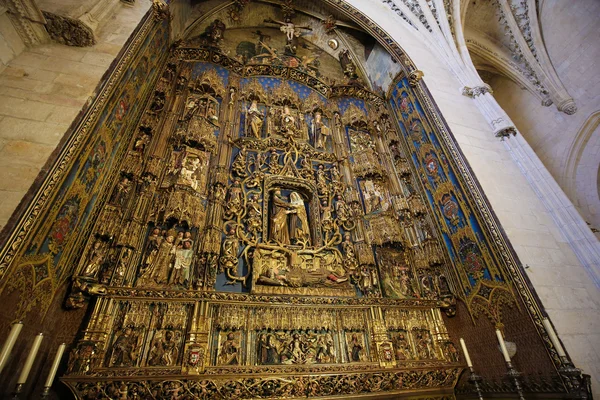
[[402, 347], [292, 32], [299, 228], [268, 352], [287, 123], [296, 350], [94, 260], [164, 351], [367, 281], [289, 221], [229, 351], [124, 349], [158, 263], [355, 348], [183, 261], [121, 191], [320, 131], [279, 218], [325, 349], [451, 352], [152, 246], [254, 120], [423, 345]]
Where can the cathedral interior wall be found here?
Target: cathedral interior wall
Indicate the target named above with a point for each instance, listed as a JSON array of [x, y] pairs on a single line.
[[570, 35], [43, 89], [557, 275]]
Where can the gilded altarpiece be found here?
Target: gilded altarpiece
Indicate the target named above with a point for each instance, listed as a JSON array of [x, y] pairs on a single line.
[[271, 247], [244, 218]]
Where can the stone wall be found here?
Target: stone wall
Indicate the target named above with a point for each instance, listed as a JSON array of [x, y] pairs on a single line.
[[571, 36], [43, 89], [561, 282]]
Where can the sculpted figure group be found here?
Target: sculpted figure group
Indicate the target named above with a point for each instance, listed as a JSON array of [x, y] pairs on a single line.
[[167, 259]]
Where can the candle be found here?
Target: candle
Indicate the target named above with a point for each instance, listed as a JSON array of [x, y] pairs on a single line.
[[502, 346], [464, 349], [55, 363], [30, 359], [10, 342], [553, 337]]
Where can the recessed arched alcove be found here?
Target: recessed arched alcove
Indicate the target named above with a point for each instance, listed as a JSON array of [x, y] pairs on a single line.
[[268, 192]]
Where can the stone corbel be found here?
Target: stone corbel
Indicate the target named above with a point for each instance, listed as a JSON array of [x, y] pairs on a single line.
[[475, 91], [78, 26]]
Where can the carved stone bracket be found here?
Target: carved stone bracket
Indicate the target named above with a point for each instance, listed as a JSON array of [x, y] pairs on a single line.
[[506, 132], [475, 91], [69, 31]]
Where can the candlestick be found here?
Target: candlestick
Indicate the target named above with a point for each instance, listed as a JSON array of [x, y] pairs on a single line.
[[466, 353], [553, 338], [10, 343], [474, 379], [515, 375], [502, 346], [30, 359], [55, 363]]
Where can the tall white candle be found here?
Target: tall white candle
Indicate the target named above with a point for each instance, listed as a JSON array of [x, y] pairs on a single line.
[[464, 349], [30, 358], [10, 343], [55, 363], [553, 337], [502, 346]]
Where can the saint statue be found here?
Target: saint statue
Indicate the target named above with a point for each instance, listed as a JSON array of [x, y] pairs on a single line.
[[279, 219], [287, 124], [165, 351], [123, 351], [95, 259], [356, 348], [183, 261], [255, 120], [159, 265], [299, 228], [320, 131], [228, 354]]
